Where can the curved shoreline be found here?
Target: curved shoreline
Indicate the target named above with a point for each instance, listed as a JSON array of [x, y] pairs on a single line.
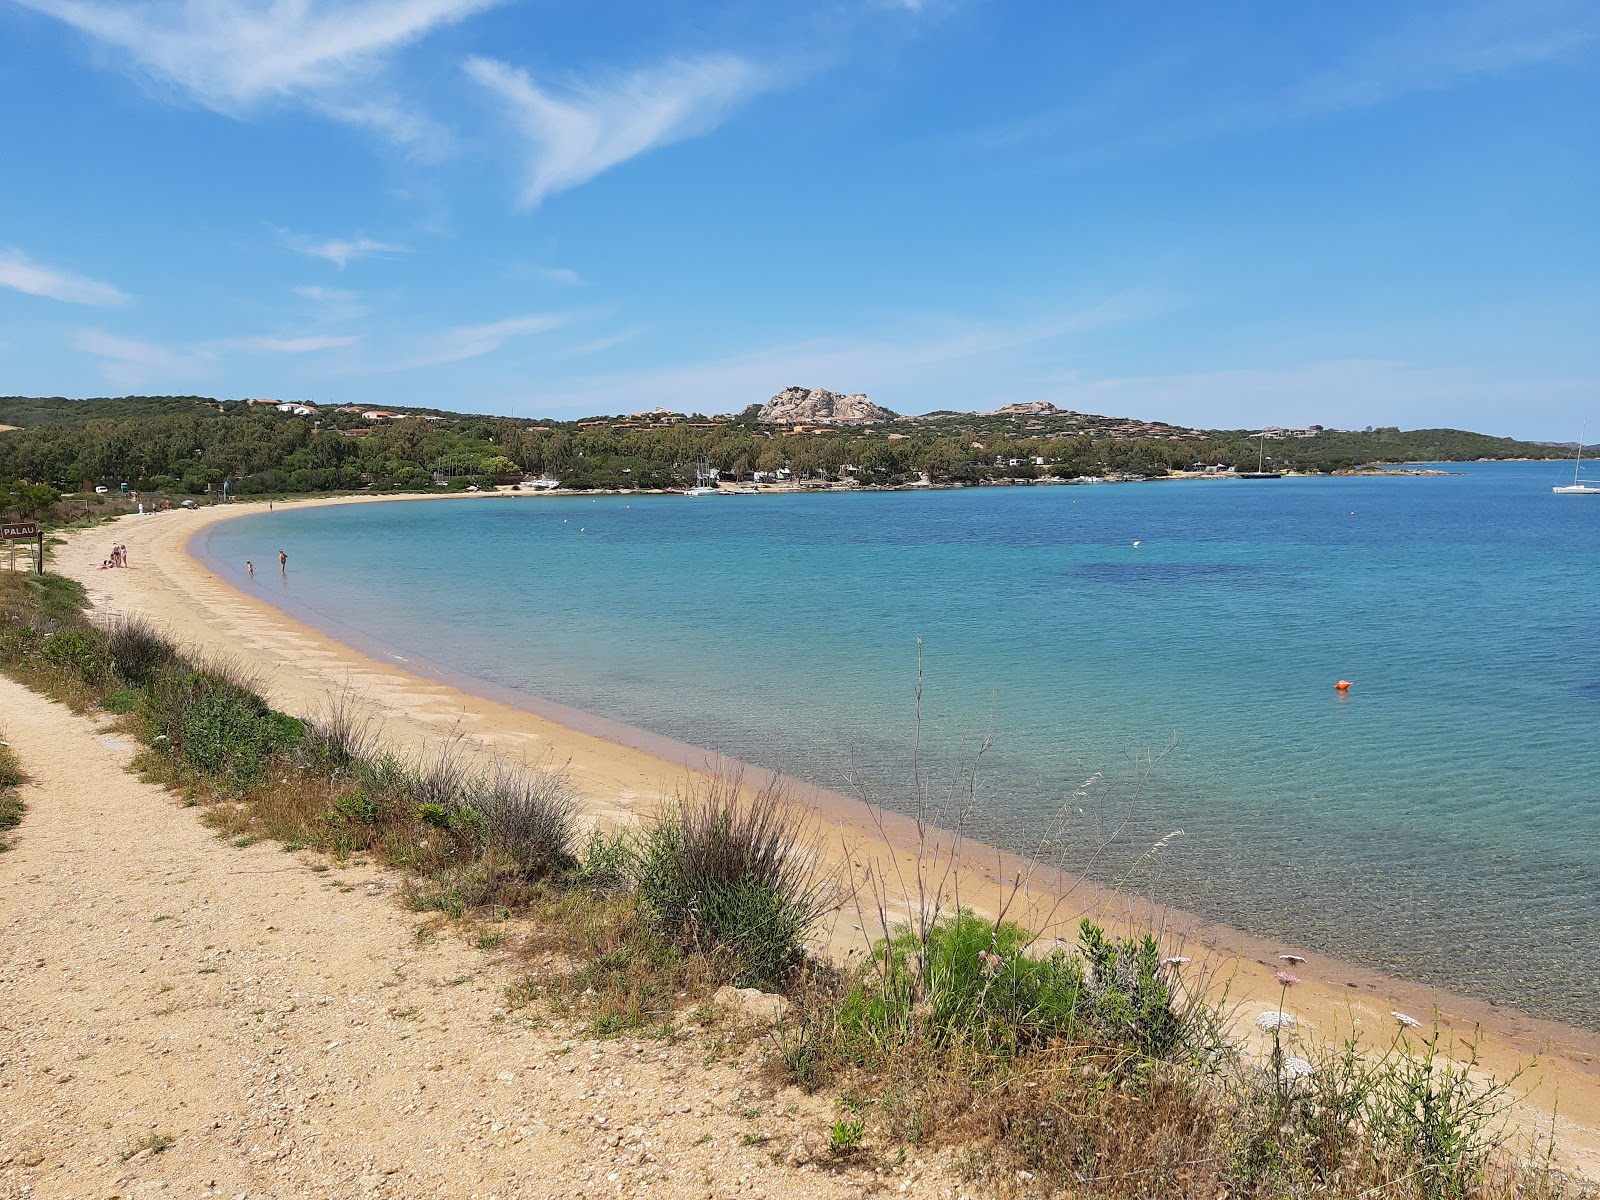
[[622, 770]]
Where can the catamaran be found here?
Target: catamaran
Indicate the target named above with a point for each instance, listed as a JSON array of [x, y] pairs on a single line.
[[1578, 487]]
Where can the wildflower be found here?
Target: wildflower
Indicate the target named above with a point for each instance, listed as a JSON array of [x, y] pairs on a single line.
[[991, 963], [1297, 1068], [1275, 1018], [1407, 1022], [1287, 979], [1177, 960], [1292, 959]]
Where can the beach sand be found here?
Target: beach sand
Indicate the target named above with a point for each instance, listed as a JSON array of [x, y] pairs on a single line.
[[624, 776]]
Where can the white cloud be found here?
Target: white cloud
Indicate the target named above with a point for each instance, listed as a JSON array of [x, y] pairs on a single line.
[[17, 272], [340, 251], [474, 341], [334, 304], [287, 345], [596, 124], [133, 363], [231, 55], [562, 275]]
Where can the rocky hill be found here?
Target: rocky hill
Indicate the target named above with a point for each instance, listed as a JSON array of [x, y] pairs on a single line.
[[815, 406]]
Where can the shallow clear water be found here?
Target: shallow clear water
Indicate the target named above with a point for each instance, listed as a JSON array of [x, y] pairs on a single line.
[[1442, 823]]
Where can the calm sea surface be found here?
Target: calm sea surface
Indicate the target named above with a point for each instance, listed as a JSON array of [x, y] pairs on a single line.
[[1441, 823]]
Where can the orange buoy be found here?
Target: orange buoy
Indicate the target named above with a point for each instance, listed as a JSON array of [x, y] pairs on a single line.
[[1342, 686]]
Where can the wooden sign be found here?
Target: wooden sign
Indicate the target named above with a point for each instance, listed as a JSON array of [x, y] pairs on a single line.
[[19, 529]]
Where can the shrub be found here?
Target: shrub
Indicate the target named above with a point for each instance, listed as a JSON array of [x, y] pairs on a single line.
[[218, 724], [527, 814], [138, 650], [11, 806], [737, 875], [356, 807], [81, 652], [970, 980], [607, 865], [342, 735]]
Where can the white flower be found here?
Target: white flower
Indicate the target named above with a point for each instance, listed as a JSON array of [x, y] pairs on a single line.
[[1177, 960], [1275, 1019], [1297, 1068], [1408, 1022]]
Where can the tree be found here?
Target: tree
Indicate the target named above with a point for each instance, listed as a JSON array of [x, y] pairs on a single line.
[[28, 500]]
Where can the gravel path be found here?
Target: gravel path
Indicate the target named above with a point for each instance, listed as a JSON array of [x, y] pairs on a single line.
[[283, 1024]]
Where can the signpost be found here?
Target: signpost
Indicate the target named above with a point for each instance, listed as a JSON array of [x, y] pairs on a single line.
[[16, 531]]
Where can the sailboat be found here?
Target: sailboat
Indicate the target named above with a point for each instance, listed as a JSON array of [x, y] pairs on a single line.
[[705, 480], [1261, 471], [1578, 487]]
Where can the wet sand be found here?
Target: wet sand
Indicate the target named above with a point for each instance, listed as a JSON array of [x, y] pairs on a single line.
[[622, 773]]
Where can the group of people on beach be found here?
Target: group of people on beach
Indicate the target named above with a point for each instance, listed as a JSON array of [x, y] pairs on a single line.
[[117, 558]]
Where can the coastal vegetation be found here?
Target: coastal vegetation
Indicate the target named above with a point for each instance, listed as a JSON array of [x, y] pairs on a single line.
[[11, 806], [194, 446], [1102, 1067]]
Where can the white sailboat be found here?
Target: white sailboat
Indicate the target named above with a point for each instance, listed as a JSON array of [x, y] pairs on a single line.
[[705, 480], [1578, 487]]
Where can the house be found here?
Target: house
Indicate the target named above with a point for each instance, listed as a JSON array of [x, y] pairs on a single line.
[[299, 410], [379, 414]]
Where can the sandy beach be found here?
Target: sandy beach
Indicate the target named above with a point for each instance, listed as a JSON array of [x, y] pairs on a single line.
[[622, 777]]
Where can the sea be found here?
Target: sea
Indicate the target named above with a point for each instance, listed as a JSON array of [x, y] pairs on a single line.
[[1135, 681]]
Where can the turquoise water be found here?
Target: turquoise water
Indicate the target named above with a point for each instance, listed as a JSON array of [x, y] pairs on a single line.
[[1441, 823]]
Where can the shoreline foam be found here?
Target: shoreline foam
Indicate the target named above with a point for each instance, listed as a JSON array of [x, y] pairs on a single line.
[[621, 772]]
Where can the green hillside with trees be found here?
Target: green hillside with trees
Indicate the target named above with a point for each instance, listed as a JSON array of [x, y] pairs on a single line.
[[190, 445]]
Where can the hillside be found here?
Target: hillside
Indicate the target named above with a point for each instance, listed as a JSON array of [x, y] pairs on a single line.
[[197, 446]]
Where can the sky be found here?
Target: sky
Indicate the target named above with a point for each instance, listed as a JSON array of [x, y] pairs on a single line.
[[1227, 215]]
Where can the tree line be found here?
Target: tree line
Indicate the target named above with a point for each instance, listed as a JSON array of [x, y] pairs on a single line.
[[195, 446]]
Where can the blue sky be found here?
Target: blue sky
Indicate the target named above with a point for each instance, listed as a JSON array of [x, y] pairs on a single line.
[[1226, 214]]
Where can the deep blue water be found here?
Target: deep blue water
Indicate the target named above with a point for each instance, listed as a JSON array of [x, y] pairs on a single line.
[[1442, 822]]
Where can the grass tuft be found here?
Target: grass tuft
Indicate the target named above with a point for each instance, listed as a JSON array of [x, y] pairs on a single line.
[[734, 873]]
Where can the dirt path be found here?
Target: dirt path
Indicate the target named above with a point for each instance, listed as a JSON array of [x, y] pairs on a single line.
[[285, 1027]]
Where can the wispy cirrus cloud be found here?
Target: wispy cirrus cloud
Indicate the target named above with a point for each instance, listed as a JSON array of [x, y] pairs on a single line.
[[941, 362], [334, 304], [287, 345], [233, 55], [341, 251], [1347, 68], [132, 363], [21, 274], [474, 341], [595, 124], [1340, 393]]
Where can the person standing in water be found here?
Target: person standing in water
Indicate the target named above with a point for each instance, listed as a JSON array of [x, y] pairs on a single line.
[[250, 567], [283, 561]]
